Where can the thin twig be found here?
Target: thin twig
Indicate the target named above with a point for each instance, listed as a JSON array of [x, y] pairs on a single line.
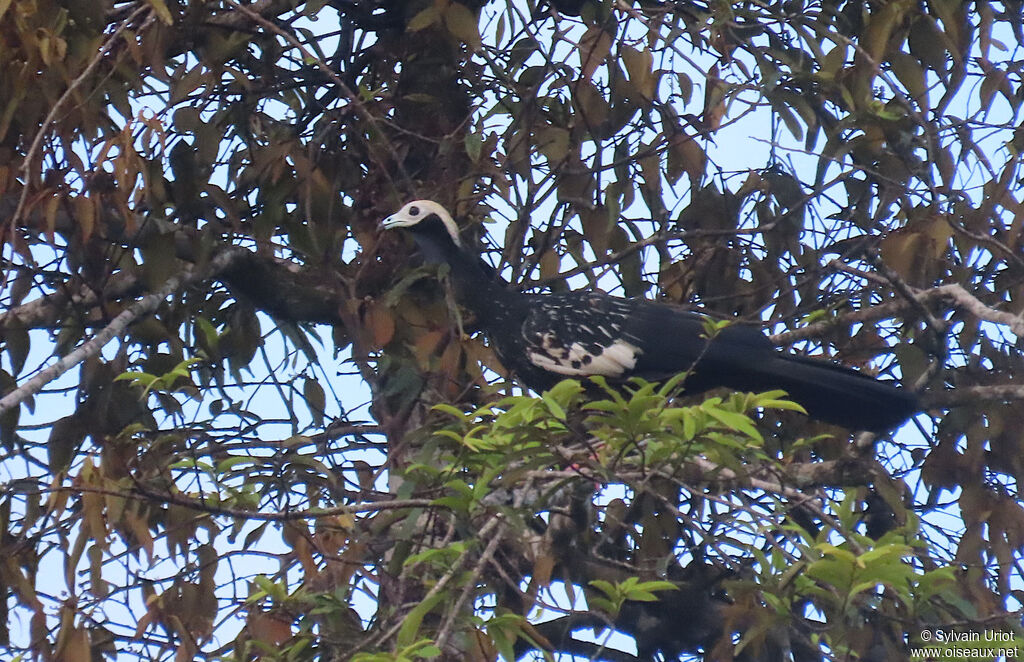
[[30, 155], [446, 629], [484, 533], [243, 513]]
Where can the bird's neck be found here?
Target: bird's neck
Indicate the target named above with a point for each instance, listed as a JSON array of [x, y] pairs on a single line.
[[478, 287]]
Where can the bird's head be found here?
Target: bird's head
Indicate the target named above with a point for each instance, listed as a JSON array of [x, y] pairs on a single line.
[[424, 217]]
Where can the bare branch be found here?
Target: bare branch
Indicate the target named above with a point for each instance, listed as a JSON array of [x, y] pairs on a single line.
[[953, 292], [244, 513], [967, 301], [117, 328], [972, 394], [46, 310]]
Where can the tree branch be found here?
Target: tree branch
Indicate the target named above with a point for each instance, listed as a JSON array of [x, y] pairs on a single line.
[[244, 513], [972, 394], [952, 292], [46, 310], [117, 328]]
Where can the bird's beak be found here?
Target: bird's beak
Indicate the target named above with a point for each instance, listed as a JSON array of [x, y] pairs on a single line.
[[385, 223]]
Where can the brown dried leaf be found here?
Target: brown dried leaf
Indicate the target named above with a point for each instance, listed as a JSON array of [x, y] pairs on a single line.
[[549, 264], [379, 323], [650, 168], [714, 100], [161, 11], [596, 228], [97, 585], [685, 87], [451, 360], [297, 538], [994, 81], [927, 45], [591, 107], [316, 398], [879, 29], [426, 346], [553, 143], [595, 44], [73, 645], [139, 528], [477, 352], [85, 215], [543, 566], [910, 72], [50, 216], [95, 523], [685, 155], [639, 67], [833, 61], [270, 628]]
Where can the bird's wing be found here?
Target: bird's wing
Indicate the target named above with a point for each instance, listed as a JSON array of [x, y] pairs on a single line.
[[673, 340], [596, 334], [581, 336]]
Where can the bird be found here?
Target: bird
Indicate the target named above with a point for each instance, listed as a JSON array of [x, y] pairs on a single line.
[[544, 338]]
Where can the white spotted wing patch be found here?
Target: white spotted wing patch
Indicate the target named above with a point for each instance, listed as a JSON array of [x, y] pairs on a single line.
[[579, 336], [577, 361]]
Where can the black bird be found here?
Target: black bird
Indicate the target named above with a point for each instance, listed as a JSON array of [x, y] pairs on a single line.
[[544, 338]]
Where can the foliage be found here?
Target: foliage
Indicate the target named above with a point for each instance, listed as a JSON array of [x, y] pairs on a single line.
[[655, 449], [237, 423]]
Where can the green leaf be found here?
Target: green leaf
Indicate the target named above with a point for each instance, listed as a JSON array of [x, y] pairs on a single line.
[[454, 412], [644, 591], [474, 144], [230, 463], [604, 605], [605, 587], [734, 421], [411, 625]]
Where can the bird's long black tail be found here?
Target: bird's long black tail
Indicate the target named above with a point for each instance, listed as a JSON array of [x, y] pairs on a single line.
[[833, 393]]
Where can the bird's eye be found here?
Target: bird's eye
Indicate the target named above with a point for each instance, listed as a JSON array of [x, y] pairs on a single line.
[[414, 211]]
